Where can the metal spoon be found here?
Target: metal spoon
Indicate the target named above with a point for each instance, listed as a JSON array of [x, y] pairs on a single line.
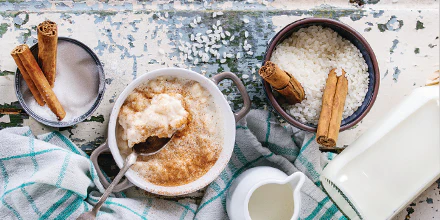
[[151, 146]]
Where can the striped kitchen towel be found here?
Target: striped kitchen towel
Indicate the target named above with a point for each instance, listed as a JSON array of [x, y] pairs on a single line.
[[261, 141], [48, 177]]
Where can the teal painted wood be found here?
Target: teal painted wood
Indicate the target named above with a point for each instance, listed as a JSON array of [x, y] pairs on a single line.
[[134, 37]]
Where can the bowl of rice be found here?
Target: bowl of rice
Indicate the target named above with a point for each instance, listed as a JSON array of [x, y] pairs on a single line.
[[308, 49]]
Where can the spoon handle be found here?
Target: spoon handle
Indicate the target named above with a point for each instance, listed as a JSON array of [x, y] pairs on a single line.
[[130, 160]]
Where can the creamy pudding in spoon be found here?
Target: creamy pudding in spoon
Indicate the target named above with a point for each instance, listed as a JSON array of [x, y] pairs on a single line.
[[160, 116]]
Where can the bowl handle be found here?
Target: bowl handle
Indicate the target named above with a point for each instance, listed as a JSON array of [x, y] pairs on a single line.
[[94, 158], [246, 100]]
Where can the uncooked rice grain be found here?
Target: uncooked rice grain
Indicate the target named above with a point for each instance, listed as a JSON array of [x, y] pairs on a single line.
[[309, 54]]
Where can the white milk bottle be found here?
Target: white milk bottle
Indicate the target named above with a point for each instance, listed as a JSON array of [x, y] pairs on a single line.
[[390, 164]]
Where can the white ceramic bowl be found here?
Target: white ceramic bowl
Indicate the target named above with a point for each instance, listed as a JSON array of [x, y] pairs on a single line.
[[229, 119]]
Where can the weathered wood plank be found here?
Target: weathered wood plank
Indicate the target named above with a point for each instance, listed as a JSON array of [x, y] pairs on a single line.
[[128, 35]]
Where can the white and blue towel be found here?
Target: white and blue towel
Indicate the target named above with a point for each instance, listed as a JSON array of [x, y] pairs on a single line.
[[48, 177]]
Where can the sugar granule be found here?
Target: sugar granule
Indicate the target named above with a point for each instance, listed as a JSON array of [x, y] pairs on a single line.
[[76, 83]]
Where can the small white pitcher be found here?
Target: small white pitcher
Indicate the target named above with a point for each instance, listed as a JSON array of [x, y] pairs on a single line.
[[239, 195]]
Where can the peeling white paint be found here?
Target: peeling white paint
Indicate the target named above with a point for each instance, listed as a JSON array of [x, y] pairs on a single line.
[[5, 119], [130, 42]]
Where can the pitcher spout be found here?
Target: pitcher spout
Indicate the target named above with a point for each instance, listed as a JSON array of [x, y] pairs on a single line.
[[296, 180]]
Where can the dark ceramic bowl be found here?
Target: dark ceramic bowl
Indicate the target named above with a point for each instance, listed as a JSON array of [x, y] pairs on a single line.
[[356, 39]]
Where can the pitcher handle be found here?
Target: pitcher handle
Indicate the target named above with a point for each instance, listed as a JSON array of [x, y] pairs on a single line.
[[241, 88], [94, 158]]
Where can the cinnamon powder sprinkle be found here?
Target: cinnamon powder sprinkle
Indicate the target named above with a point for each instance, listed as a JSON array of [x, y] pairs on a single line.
[[193, 150]]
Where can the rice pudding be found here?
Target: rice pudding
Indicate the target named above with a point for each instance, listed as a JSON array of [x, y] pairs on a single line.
[[160, 107]]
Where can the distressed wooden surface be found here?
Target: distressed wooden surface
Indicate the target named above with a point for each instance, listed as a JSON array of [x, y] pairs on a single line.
[[132, 38]]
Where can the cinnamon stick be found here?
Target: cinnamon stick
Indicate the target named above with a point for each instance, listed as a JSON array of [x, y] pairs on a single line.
[[326, 110], [433, 79], [47, 49], [40, 81], [333, 102], [338, 107], [17, 50], [282, 82]]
